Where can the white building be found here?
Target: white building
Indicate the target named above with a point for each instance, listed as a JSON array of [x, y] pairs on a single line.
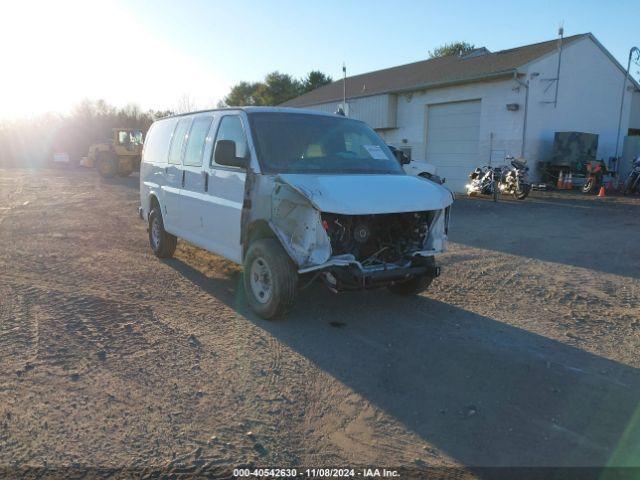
[[459, 112]]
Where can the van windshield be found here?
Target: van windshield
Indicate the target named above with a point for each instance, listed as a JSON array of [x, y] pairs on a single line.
[[307, 143]]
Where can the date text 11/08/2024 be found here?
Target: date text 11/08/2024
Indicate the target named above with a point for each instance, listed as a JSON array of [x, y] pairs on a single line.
[[315, 473]]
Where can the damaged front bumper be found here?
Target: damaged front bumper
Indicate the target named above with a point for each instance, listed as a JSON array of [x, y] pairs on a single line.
[[346, 273]]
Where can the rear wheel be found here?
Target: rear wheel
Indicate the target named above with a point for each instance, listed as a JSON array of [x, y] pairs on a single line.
[[107, 165], [416, 284], [591, 185], [162, 242], [270, 279]]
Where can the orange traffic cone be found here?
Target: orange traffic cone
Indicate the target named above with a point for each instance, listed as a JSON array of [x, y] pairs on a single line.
[[569, 183], [560, 184], [602, 192]]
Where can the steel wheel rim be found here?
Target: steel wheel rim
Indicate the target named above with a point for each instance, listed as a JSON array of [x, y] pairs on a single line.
[[155, 234], [260, 280]]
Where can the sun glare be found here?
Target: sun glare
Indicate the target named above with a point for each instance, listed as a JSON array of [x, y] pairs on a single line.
[[62, 52]]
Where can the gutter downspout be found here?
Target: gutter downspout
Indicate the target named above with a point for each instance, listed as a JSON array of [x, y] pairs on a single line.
[[526, 109]]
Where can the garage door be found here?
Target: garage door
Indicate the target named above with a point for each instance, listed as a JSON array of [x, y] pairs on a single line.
[[453, 130]]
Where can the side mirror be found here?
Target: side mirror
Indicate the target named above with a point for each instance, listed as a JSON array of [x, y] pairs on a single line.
[[225, 154]]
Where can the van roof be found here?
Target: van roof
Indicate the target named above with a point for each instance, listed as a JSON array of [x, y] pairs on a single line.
[[257, 109]]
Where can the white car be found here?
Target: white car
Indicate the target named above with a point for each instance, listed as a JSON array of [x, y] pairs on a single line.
[[416, 168], [61, 157], [422, 169], [294, 196]]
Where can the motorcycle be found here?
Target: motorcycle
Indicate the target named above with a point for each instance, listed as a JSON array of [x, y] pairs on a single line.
[[493, 181], [595, 174], [632, 182], [483, 181], [514, 179]]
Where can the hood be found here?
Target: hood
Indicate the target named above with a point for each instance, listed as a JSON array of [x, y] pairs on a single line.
[[416, 167], [369, 194]]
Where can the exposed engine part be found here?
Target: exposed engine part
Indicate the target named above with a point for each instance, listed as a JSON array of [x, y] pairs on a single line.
[[361, 233], [377, 239]]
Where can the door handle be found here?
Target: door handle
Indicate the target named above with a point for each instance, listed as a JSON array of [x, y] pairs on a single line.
[[206, 180], [183, 172]]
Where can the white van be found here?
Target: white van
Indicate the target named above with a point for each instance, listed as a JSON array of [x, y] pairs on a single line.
[[294, 196]]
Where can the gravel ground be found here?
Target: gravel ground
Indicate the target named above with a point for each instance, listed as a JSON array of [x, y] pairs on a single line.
[[525, 352]]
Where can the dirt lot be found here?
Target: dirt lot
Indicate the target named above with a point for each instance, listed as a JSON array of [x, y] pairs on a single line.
[[524, 352]]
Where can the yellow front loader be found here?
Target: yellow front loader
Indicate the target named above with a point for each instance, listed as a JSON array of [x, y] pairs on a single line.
[[118, 156]]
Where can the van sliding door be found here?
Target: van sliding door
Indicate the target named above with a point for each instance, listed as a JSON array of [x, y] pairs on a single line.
[[173, 178], [193, 209]]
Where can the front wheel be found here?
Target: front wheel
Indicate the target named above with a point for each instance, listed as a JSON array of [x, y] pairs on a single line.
[[270, 279], [522, 191], [125, 167], [162, 242], [415, 284], [107, 165], [630, 184]]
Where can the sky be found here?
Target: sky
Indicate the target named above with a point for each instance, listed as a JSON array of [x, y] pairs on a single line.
[[155, 53]]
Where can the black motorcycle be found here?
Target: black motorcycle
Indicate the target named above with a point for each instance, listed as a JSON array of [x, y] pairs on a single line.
[[484, 181], [632, 183], [493, 181], [514, 179]]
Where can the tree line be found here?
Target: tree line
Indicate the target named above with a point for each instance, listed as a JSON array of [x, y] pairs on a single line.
[[276, 88], [33, 141]]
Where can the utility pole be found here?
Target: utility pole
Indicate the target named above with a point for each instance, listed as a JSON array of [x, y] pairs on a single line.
[[624, 89], [344, 88], [560, 38]]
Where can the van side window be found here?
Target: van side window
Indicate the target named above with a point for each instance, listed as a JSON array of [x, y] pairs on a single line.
[[195, 144], [231, 129], [156, 146], [177, 142]]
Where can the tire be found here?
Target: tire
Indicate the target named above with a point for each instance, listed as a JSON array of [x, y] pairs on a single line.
[[270, 279], [522, 192], [417, 284], [629, 184], [590, 186], [107, 165], [162, 242], [125, 167]]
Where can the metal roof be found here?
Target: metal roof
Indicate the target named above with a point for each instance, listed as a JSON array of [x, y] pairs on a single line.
[[480, 65]]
